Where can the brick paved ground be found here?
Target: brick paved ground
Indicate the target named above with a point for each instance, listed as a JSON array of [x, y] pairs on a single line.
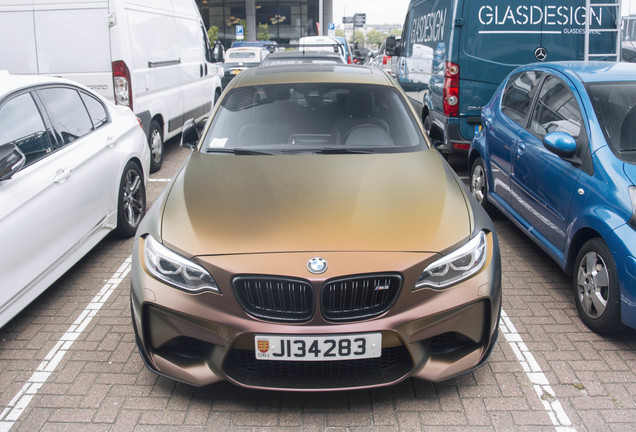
[[101, 383]]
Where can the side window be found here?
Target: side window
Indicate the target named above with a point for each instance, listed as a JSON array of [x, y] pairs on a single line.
[[96, 110], [206, 46], [518, 94], [21, 124], [67, 113], [556, 110]]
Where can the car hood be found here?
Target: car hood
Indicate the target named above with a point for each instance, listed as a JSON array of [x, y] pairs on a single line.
[[630, 171], [227, 204]]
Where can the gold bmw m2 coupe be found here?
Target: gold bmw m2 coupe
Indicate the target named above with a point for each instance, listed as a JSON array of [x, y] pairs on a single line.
[[314, 240]]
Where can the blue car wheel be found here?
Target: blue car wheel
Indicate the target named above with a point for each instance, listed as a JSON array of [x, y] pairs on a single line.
[[479, 184], [595, 282]]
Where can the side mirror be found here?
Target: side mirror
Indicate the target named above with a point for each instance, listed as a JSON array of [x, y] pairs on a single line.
[[390, 46], [11, 160], [561, 144], [217, 52], [189, 135]]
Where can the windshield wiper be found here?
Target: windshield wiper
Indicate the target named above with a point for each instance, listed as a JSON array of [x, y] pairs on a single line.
[[346, 150], [238, 151]]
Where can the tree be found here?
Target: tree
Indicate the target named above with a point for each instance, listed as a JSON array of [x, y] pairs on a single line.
[[340, 33], [213, 34], [375, 37], [263, 32], [359, 37], [396, 32]]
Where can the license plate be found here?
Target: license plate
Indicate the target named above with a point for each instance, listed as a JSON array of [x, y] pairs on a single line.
[[310, 348], [236, 71]]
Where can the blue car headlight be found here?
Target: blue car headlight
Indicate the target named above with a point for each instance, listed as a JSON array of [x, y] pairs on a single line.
[[456, 266], [176, 270]]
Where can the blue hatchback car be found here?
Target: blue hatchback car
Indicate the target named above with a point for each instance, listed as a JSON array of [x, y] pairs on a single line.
[[557, 155]]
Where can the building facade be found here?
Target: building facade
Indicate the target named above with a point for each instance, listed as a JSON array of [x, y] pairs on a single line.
[[287, 20]]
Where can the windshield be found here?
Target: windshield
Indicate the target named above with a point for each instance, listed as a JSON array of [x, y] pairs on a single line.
[[313, 117], [615, 108], [242, 55]]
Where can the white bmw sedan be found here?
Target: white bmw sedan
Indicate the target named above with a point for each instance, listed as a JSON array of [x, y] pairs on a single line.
[[73, 167]]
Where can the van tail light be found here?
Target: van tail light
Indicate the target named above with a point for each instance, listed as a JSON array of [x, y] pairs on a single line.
[[386, 59], [348, 59], [122, 84], [451, 90]]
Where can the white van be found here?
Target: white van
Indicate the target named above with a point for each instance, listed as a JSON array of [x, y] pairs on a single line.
[[151, 55]]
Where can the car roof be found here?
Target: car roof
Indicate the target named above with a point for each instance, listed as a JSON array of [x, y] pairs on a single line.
[[255, 49], [594, 71], [304, 54], [10, 83], [312, 72]]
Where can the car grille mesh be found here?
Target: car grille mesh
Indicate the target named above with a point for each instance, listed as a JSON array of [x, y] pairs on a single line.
[[359, 297], [277, 299], [241, 366], [293, 300]]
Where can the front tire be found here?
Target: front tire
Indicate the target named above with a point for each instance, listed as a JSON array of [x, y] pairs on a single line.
[[596, 290], [479, 184], [155, 142], [131, 204]]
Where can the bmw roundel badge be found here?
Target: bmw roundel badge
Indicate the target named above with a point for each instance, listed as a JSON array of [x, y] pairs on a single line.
[[317, 265]]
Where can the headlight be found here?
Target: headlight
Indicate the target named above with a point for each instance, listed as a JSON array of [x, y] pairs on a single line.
[[458, 265], [632, 195], [175, 270]]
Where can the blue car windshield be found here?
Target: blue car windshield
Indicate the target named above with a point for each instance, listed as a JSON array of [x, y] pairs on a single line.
[[615, 107], [313, 117]]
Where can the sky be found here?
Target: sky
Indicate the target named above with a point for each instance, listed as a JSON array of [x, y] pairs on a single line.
[[378, 11], [394, 11]]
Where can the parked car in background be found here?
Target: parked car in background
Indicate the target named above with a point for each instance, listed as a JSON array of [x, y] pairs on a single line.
[[324, 43], [151, 56], [271, 46], [381, 59], [239, 59], [73, 167], [447, 64], [302, 56], [360, 55], [314, 240], [557, 155]]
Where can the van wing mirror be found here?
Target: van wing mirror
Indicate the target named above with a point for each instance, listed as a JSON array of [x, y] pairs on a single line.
[[189, 135], [391, 47], [11, 160], [217, 52]]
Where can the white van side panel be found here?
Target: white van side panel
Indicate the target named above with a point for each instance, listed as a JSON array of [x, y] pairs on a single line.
[[62, 43], [198, 91], [17, 39], [154, 61]]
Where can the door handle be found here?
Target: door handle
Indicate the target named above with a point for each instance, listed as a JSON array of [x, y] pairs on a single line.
[[521, 148], [111, 141], [61, 175], [200, 71]]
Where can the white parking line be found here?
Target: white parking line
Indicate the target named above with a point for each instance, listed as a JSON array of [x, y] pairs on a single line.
[[21, 400], [158, 180], [533, 371]]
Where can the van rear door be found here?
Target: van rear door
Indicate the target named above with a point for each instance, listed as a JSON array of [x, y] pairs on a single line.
[[496, 36], [17, 38], [73, 42]]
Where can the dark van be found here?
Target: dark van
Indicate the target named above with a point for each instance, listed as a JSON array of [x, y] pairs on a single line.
[[454, 53]]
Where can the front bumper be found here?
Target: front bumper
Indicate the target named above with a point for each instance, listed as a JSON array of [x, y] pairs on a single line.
[[203, 338]]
